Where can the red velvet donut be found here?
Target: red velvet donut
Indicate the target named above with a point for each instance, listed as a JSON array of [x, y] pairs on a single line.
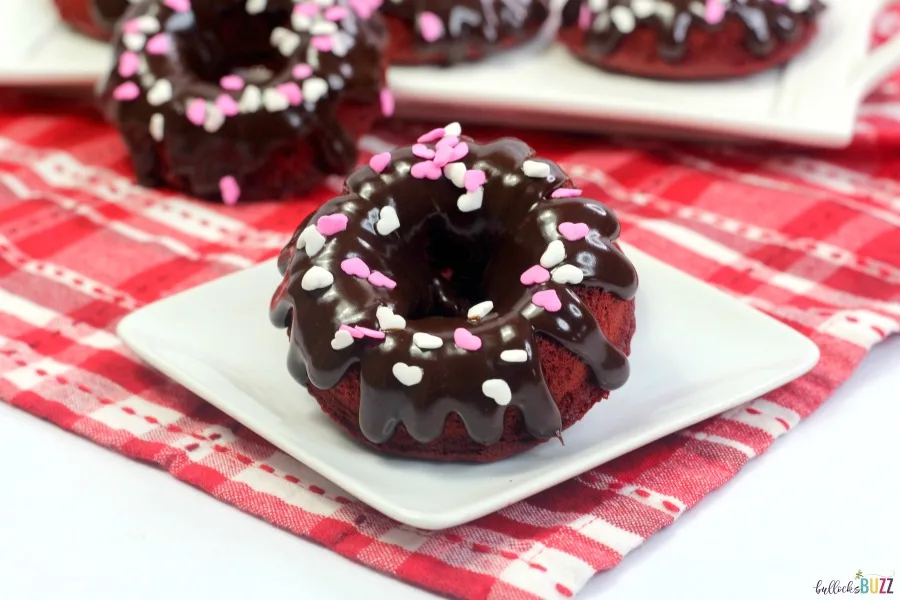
[[688, 39], [459, 301]]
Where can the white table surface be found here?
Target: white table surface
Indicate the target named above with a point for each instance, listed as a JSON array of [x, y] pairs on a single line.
[[80, 522]]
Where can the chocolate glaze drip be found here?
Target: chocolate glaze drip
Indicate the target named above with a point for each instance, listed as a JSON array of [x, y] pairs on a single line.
[[217, 38], [765, 22], [444, 261]]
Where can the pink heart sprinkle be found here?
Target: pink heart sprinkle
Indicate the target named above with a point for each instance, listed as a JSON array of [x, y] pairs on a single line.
[[301, 71], [128, 64], [230, 190], [426, 169], [430, 26], [474, 179], [232, 82], [547, 299], [227, 105], [322, 43], [466, 340], [459, 151], [372, 333], [584, 17], [573, 231], [380, 161], [442, 156], [431, 136], [196, 112], [422, 151], [353, 331], [364, 8], [379, 279], [310, 9], [335, 13], [447, 142], [126, 91], [715, 11], [178, 5], [332, 224], [565, 193], [131, 26], [356, 266], [158, 44], [535, 274], [387, 102], [291, 91]]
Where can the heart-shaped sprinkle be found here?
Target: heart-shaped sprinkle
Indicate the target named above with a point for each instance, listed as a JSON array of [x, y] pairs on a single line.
[[230, 190], [134, 41], [291, 91], [547, 299], [371, 333], [470, 200], [335, 13], [342, 339], [430, 26], [157, 126], [715, 12], [573, 231], [214, 119], [353, 331], [227, 105], [274, 101], [233, 83], [387, 100], [379, 279], [128, 64], [323, 28], [422, 151], [196, 111], [535, 274], [566, 193], [643, 8], [316, 278], [388, 320], [466, 340], [515, 356], [425, 170], [431, 136], [666, 12], [332, 224], [456, 172], [480, 310], [310, 9], [322, 43], [584, 18], [566, 274], [474, 179], [158, 44], [442, 156], [288, 43], [311, 240], [388, 221], [255, 7], [533, 168], [598, 5], [301, 71], [448, 141], [178, 5], [356, 266], [453, 129], [497, 390], [426, 341], [406, 374], [144, 24], [127, 91], [459, 151], [313, 89], [159, 93], [379, 162], [799, 5], [623, 18], [553, 255], [251, 99]]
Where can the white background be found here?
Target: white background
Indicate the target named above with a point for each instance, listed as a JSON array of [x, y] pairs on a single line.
[[80, 522]]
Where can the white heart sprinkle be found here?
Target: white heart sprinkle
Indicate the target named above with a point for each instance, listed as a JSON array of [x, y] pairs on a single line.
[[601, 23], [134, 41], [147, 80], [275, 101], [143, 65], [147, 24], [598, 5], [533, 168], [342, 339], [513, 356], [316, 278], [214, 118], [643, 8], [798, 5], [453, 129], [324, 2], [553, 255], [456, 173], [287, 41], [313, 89], [480, 310], [300, 22], [157, 126], [470, 200], [498, 390], [311, 240], [323, 28], [665, 12], [160, 93], [387, 221], [388, 320], [250, 100], [426, 341], [622, 18], [406, 374], [254, 7], [567, 274], [312, 57], [340, 43], [699, 9]]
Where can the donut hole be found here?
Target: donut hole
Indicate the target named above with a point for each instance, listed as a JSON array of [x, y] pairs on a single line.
[[228, 41]]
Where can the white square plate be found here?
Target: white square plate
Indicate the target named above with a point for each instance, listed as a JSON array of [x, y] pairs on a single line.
[[696, 354], [813, 101]]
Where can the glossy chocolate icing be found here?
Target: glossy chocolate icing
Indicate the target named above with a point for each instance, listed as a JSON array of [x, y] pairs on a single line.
[[766, 22], [107, 12], [444, 261], [295, 70]]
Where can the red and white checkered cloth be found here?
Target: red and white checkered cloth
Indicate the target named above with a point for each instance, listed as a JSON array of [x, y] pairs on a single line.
[[812, 238]]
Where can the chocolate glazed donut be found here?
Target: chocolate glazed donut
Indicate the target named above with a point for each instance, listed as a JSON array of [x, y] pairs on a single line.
[[222, 103], [688, 39], [427, 304]]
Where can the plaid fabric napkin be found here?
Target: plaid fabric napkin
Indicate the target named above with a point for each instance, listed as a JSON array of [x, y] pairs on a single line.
[[810, 237]]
